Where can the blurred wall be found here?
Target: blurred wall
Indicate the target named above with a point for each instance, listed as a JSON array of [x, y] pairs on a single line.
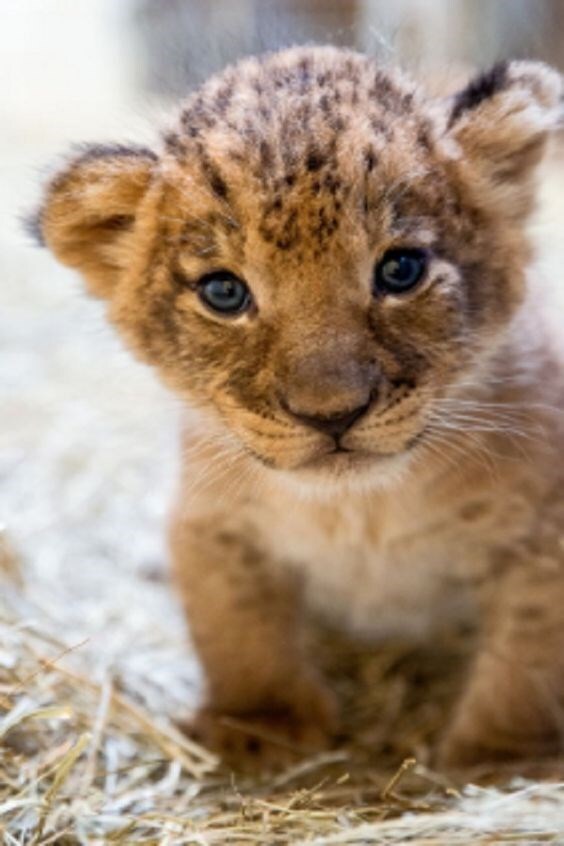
[[63, 63], [186, 40], [182, 41]]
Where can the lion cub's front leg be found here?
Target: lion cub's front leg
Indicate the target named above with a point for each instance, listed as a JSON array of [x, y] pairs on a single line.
[[513, 707], [265, 706]]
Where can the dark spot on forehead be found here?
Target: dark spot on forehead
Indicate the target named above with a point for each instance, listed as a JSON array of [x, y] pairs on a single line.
[[351, 71], [266, 154], [332, 183], [282, 229], [304, 70], [338, 124], [173, 143], [380, 127], [237, 155], [327, 223], [251, 131], [290, 232], [218, 184], [382, 88], [213, 176], [370, 159], [224, 97], [325, 103], [200, 115], [315, 160]]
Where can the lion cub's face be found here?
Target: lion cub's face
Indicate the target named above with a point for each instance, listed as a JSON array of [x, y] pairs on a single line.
[[320, 253]]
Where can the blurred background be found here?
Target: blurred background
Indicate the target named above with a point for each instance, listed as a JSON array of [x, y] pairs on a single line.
[[184, 41], [70, 66], [87, 436]]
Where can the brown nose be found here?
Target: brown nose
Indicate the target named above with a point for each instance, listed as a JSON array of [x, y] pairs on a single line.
[[336, 425]]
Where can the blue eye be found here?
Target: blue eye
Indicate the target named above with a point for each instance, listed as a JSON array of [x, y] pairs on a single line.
[[399, 270], [224, 293]]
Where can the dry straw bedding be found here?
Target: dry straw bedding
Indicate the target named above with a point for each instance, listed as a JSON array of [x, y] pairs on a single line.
[[84, 761]]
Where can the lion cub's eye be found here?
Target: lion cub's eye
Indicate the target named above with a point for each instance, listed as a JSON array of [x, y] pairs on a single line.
[[224, 293], [399, 270]]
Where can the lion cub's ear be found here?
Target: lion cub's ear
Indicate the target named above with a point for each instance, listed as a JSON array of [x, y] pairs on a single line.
[[501, 121], [90, 207]]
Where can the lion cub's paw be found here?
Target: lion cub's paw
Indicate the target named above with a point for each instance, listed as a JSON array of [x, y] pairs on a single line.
[[471, 742], [269, 739]]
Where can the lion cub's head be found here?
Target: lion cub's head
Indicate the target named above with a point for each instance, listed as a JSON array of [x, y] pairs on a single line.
[[320, 252]]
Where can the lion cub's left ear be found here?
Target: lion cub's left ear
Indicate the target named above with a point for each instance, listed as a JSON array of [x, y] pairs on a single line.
[[501, 121], [90, 207]]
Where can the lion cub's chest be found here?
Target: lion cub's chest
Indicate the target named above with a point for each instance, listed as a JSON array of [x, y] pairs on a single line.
[[384, 569]]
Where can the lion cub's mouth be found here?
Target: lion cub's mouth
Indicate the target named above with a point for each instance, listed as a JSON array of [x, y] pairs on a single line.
[[346, 461], [342, 459]]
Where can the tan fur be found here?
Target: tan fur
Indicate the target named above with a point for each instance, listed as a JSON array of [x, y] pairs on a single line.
[[297, 172]]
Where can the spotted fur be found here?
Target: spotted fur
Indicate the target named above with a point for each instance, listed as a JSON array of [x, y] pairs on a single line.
[[297, 171]]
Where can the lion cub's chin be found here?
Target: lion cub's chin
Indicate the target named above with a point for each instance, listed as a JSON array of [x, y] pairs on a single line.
[[335, 472]]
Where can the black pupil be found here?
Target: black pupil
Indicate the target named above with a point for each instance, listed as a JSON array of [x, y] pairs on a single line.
[[224, 293], [400, 270]]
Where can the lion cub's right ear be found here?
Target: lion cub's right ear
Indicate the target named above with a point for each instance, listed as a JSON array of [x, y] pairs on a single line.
[[90, 207]]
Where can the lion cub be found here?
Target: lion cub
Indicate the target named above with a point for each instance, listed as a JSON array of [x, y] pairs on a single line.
[[330, 267]]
